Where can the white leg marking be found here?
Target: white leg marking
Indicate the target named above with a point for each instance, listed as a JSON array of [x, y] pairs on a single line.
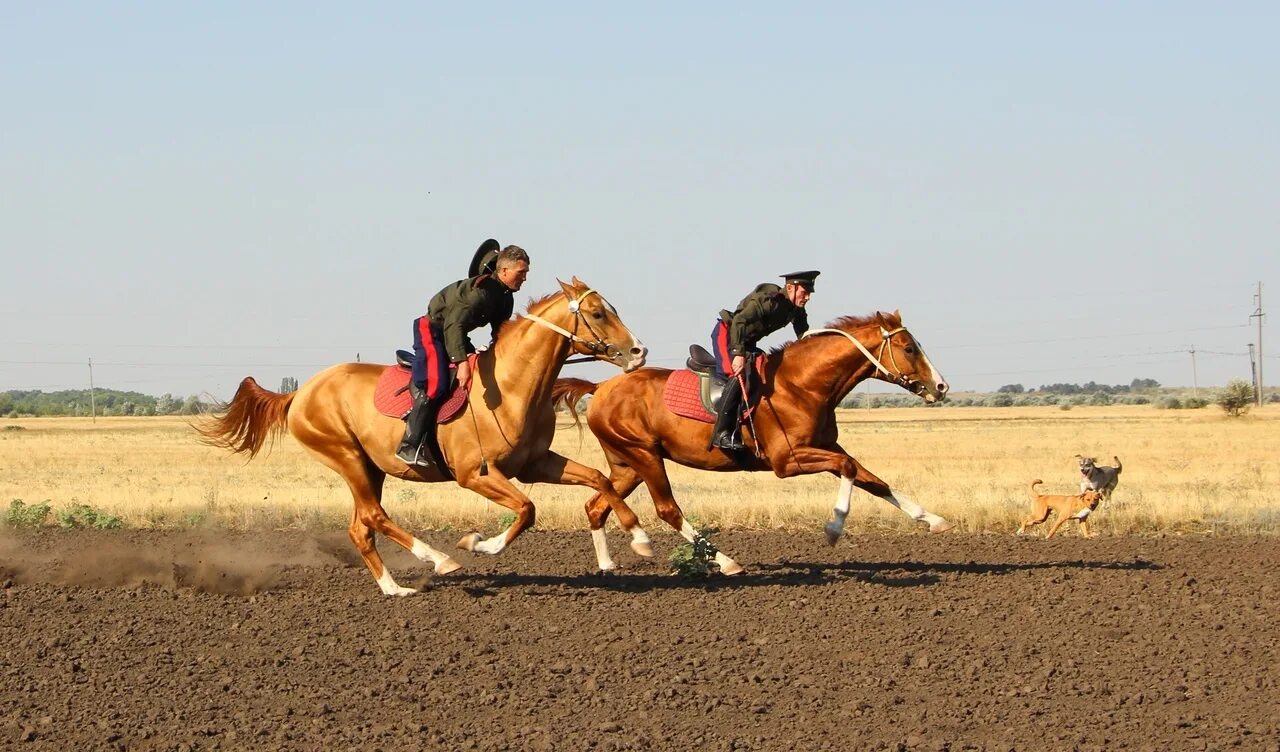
[[426, 553], [389, 586], [835, 528], [602, 551], [916, 512], [640, 542], [444, 563], [492, 545], [688, 532]]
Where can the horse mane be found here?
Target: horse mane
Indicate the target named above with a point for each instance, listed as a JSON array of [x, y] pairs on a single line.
[[845, 323], [520, 321]]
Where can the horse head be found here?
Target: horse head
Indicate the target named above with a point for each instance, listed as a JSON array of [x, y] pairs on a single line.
[[594, 327], [903, 362], [893, 353]]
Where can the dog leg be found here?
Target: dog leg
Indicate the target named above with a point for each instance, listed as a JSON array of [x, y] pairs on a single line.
[[1056, 524]]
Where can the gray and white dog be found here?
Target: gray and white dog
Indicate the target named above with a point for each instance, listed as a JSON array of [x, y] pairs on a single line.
[[1095, 477]]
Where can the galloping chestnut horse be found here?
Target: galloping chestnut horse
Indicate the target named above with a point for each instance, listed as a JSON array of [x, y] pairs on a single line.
[[507, 433], [795, 422]]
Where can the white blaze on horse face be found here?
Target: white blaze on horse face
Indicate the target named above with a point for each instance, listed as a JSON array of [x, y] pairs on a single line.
[[935, 378], [602, 551]]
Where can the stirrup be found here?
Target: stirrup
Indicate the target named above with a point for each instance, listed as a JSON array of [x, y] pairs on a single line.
[[418, 458], [728, 441]]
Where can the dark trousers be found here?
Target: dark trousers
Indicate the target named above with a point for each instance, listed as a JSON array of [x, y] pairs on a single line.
[[729, 418], [428, 385]]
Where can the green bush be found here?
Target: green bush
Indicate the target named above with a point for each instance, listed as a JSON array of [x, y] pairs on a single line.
[[1236, 397], [694, 560], [20, 514], [1169, 403], [83, 515], [1195, 403]]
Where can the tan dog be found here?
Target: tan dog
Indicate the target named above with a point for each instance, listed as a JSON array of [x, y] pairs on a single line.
[[1077, 507]]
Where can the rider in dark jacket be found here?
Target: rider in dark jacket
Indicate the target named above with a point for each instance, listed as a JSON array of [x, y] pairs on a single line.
[[733, 340], [440, 340]]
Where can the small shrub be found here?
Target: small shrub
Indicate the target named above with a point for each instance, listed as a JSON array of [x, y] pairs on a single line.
[[1195, 403], [1000, 400], [83, 515], [694, 560], [507, 520], [1100, 399], [1236, 397], [15, 428], [20, 514], [1064, 406], [1169, 403]]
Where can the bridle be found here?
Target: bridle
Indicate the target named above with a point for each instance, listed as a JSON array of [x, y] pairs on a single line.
[[597, 346], [899, 378]]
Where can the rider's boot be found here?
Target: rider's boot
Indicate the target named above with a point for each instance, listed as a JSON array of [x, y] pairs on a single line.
[[726, 434], [415, 428]]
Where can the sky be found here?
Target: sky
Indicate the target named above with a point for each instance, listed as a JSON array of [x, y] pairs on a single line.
[[192, 193]]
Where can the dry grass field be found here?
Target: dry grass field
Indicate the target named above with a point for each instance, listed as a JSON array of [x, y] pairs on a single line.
[[1184, 472]]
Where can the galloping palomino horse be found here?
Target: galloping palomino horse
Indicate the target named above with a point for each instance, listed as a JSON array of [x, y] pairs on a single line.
[[794, 422], [507, 434]]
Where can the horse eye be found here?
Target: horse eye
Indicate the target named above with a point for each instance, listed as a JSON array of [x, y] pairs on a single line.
[[597, 315], [910, 349]]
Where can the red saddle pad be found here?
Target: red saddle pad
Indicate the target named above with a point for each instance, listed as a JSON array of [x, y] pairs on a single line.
[[391, 395], [681, 396]]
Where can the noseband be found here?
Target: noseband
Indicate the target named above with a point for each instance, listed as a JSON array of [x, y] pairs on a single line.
[[899, 378], [597, 346]]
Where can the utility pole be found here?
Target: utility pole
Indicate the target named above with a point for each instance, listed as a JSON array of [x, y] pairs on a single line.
[[1253, 372], [1258, 314], [1195, 380], [93, 407]]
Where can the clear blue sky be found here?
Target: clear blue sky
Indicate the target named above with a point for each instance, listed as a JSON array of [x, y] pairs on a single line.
[[1049, 192]]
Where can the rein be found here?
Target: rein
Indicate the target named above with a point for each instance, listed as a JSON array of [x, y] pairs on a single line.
[[598, 346], [899, 378]]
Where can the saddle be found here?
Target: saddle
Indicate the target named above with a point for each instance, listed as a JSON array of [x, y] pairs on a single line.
[[697, 392], [391, 396]]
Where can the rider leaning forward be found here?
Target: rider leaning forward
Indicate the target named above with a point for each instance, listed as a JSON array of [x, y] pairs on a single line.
[[440, 341], [733, 340]]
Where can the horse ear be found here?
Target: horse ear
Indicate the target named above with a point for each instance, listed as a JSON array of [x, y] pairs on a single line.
[[568, 289], [897, 315], [577, 282]]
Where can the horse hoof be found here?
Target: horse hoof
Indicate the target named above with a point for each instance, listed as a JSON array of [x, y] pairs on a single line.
[[447, 566], [469, 541], [731, 569], [833, 534], [941, 526], [643, 549]]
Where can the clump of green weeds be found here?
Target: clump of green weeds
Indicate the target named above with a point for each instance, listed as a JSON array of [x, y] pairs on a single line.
[[83, 515], [21, 514], [694, 560]]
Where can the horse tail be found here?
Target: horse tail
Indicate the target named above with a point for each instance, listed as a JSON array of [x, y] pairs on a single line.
[[569, 392], [253, 418]]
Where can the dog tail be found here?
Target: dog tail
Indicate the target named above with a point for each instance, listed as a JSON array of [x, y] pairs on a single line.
[[1035, 483], [1119, 467]]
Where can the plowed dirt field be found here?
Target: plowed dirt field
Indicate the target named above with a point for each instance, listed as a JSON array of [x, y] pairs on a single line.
[[179, 640]]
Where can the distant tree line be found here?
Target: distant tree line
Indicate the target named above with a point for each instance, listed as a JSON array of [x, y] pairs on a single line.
[[17, 403], [1135, 386]]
